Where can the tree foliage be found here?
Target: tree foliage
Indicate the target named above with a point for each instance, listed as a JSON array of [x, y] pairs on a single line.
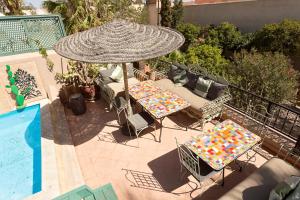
[[80, 15], [191, 34], [282, 37], [11, 7], [225, 36], [270, 75], [166, 13], [208, 57], [177, 13]]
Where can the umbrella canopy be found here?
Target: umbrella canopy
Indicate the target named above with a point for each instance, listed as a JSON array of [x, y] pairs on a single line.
[[119, 41]]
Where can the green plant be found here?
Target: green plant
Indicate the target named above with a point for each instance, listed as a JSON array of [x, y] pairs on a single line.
[[208, 57], [177, 13], [166, 13], [191, 34], [269, 75], [80, 15], [14, 7], [78, 73], [225, 36], [282, 37], [176, 56]]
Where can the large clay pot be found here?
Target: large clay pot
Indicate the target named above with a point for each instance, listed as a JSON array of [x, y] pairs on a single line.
[[88, 92]]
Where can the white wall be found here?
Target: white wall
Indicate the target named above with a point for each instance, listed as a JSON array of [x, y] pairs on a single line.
[[248, 15]]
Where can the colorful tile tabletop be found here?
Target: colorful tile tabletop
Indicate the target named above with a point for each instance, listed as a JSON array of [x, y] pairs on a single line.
[[163, 104], [143, 89], [223, 144]]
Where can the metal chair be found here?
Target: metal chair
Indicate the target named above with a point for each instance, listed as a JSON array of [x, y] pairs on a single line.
[[119, 104], [257, 120], [193, 164], [139, 122]]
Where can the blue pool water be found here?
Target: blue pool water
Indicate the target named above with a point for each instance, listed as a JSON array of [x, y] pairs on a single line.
[[20, 153]]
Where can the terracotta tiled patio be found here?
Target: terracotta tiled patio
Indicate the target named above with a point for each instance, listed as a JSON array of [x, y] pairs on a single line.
[[150, 171]]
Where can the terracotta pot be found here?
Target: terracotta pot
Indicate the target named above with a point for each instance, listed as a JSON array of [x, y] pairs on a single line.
[[89, 92]]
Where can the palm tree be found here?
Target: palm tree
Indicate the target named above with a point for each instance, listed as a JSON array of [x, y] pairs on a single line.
[[81, 15], [11, 7]]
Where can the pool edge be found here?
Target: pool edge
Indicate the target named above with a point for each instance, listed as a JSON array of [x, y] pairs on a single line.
[[50, 181]]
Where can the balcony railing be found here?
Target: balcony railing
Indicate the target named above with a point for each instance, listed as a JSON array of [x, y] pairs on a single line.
[[285, 120], [23, 34]]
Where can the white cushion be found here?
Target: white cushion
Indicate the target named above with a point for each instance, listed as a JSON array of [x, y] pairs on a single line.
[[117, 74]]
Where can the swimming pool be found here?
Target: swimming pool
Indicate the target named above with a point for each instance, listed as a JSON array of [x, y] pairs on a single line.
[[20, 153]]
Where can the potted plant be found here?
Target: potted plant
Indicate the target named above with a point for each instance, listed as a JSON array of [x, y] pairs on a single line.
[[82, 76]]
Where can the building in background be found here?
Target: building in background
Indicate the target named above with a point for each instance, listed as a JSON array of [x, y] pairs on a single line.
[[248, 15]]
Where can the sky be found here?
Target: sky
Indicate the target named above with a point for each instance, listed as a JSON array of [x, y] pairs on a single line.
[[35, 3]]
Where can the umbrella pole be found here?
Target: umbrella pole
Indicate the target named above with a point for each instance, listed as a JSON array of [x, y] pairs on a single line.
[[124, 66]]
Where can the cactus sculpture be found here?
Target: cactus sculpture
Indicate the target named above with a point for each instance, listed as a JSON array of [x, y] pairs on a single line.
[[26, 84], [14, 88]]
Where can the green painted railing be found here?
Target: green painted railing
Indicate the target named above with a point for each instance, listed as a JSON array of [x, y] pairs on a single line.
[[22, 34]]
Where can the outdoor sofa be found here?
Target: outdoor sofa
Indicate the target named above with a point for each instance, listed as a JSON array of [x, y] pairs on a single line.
[[258, 185], [183, 82], [110, 88]]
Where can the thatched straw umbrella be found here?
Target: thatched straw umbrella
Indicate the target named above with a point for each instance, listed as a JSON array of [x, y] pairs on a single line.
[[119, 41]]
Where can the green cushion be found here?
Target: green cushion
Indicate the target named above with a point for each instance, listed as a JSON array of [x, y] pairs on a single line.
[[181, 78], [202, 87], [282, 189], [295, 194]]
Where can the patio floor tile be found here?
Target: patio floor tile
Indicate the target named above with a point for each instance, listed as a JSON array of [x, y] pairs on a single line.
[[150, 171]]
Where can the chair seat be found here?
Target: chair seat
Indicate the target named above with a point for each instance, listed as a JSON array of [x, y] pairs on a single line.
[[140, 120]]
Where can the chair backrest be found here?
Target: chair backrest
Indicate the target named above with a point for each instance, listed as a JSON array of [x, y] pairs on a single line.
[[119, 102], [188, 160], [257, 120]]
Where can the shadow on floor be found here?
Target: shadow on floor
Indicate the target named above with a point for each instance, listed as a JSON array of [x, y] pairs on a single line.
[[216, 191], [182, 121], [87, 126], [166, 169]]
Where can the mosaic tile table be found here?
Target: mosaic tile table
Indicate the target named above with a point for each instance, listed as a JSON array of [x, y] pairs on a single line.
[[163, 104], [223, 144], [143, 89]]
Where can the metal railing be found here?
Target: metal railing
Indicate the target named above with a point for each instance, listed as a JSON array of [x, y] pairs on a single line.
[[286, 120], [22, 34]]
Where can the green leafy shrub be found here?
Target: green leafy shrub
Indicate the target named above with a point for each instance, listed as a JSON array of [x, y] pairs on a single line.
[[166, 13], [282, 37], [79, 15], [176, 56], [226, 36], [269, 75], [207, 56], [191, 34], [177, 13]]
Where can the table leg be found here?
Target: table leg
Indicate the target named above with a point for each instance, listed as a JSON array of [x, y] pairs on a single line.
[[161, 120], [223, 176], [237, 163]]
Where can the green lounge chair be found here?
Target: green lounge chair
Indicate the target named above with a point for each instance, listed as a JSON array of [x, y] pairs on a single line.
[[105, 192]]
